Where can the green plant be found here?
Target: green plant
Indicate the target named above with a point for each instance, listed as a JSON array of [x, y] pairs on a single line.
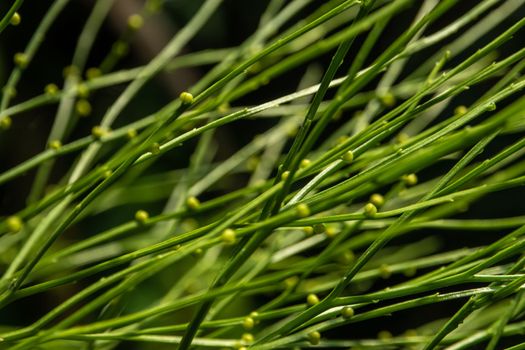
[[328, 219]]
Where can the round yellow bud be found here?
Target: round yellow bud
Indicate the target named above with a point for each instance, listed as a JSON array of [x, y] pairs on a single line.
[[314, 337], [15, 19], [186, 98], [55, 144], [388, 99], [370, 210], [460, 110], [10, 91], [70, 71], [312, 299], [51, 89], [21, 59], [247, 338], [302, 210], [305, 163], [377, 200], [135, 22], [383, 335], [410, 179], [308, 230], [14, 224], [348, 157], [331, 232], [93, 72], [285, 175], [120, 48], [347, 312], [291, 282], [248, 323], [228, 236], [141, 216], [98, 132], [131, 133], [5, 122], [82, 90], [192, 203], [83, 107]]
